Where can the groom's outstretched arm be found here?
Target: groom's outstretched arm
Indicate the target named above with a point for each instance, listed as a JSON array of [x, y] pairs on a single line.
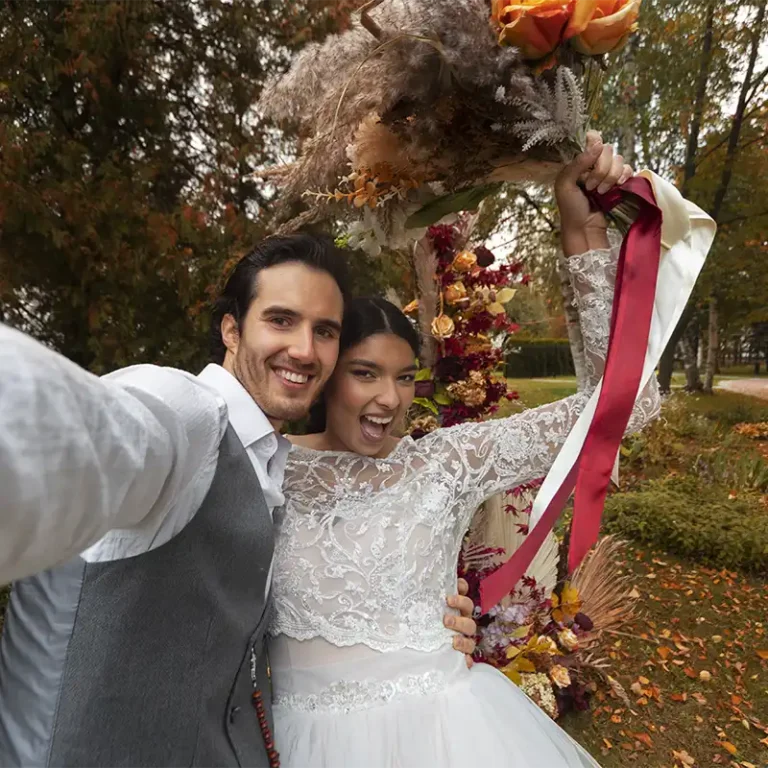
[[82, 455]]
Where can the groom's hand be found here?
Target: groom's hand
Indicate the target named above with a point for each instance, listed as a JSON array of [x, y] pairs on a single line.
[[463, 624]]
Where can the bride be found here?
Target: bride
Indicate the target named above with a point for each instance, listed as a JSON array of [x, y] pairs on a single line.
[[363, 670]]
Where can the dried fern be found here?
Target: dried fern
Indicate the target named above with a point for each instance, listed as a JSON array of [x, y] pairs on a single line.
[[558, 114]]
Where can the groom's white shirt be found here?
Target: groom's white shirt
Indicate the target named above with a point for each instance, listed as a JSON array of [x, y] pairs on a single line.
[[110, 467]]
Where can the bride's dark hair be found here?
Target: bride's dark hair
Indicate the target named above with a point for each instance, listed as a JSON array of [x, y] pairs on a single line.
[[364, 317]]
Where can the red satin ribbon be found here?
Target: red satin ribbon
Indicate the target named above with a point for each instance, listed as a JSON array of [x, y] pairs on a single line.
[[637, 270]]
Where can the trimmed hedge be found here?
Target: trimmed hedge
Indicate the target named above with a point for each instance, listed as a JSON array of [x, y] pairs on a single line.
[[539, 358], [694, 519]]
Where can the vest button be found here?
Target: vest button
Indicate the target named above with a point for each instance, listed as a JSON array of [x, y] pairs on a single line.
[[233, 714]]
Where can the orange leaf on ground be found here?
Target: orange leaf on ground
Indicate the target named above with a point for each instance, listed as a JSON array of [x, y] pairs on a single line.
[[690, 672], [679, 696], [763, 654], [726, 745], [663, 651], [644, 738]]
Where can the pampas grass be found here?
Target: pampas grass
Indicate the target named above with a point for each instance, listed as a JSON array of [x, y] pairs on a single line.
[[605, 590], [423, 86]]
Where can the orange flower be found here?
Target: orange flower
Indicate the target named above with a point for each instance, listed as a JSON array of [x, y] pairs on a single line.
[[602, 26], [442, 327], [465, 261], [455, 293], [536, 27]]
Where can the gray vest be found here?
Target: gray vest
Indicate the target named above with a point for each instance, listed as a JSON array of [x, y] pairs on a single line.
[[150, 660]]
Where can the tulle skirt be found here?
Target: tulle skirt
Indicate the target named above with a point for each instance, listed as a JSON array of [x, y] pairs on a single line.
[[402, 709]]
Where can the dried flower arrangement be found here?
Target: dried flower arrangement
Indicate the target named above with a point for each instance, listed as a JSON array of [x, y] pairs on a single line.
[[546, 635], [422, 109]]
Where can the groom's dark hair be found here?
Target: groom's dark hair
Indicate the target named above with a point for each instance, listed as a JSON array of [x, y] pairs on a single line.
[[314, 250]]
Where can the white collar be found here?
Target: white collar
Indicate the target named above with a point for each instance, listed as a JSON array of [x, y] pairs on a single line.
[[248, 420]]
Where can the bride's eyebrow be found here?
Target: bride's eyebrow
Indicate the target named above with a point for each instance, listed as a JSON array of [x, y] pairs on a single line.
[[366, 363]]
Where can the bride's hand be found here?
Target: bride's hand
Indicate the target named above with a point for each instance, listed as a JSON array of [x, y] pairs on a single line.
[[582, 227], [464, 624]]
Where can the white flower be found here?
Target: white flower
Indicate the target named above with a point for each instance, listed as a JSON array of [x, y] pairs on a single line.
[[568, 639], [560, 676]]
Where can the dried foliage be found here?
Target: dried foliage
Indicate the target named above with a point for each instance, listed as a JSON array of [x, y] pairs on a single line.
[[425, 91], [605, 589]]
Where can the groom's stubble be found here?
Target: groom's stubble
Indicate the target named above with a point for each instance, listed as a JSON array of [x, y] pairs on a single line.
[[291, 328]]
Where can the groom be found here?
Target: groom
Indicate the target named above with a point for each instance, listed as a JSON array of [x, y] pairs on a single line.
[[136, 518]]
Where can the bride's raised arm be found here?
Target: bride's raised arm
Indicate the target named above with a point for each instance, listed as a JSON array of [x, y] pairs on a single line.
[[492, 456]]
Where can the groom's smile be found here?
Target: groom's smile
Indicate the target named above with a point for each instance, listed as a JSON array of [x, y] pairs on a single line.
[[291, 377], [287, 345]]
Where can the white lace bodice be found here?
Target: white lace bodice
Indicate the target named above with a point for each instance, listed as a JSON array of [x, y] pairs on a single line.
[[366, 549]]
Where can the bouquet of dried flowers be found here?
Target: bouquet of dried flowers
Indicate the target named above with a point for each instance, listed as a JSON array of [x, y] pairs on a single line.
[[547, 635], [462, 293], [424, 108]]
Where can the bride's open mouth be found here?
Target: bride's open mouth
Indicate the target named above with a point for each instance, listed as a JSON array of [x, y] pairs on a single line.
[[375, 428]]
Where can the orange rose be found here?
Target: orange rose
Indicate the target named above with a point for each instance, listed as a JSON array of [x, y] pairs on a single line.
[[536, 27], [443, 327], [465, 261], [455, 293], [602, 26]]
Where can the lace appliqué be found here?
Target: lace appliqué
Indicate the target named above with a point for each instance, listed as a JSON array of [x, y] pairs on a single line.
[[366, 549], [352, 695]]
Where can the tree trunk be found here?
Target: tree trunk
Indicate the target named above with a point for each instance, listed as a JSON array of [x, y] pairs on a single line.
[[712, 347], [725, 178], [738, 117], [667, 361], [690, 346], [701, 93], [668, 356]]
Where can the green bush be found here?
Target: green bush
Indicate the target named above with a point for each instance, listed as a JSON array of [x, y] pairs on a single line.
[[538, 358], [696, 519]]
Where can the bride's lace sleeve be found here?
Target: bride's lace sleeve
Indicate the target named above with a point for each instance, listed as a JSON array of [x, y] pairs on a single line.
[[492, 456]]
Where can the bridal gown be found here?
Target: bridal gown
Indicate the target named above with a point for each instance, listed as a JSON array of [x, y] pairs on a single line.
[[363, 670]]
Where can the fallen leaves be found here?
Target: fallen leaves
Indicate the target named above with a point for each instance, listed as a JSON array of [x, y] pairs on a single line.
[[727, 746], [683, 758], [694, 670], [690, 673]]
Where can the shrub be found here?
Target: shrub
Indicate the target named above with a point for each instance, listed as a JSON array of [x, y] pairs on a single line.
[[696, 519]]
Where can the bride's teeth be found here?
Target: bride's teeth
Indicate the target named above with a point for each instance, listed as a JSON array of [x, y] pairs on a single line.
[[379, 419], [296, 378]]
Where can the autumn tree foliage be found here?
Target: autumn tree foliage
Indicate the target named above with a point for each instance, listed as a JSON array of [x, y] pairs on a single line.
[[127, 146]]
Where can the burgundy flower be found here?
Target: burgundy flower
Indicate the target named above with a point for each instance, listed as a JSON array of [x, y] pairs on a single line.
[[484, 257], [583, 621], [425, 388], [443, 237]]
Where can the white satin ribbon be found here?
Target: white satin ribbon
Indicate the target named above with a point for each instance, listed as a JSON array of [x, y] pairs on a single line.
[[687, 234]]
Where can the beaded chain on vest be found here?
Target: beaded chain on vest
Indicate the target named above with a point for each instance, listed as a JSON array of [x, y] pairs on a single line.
[[257, 701]]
